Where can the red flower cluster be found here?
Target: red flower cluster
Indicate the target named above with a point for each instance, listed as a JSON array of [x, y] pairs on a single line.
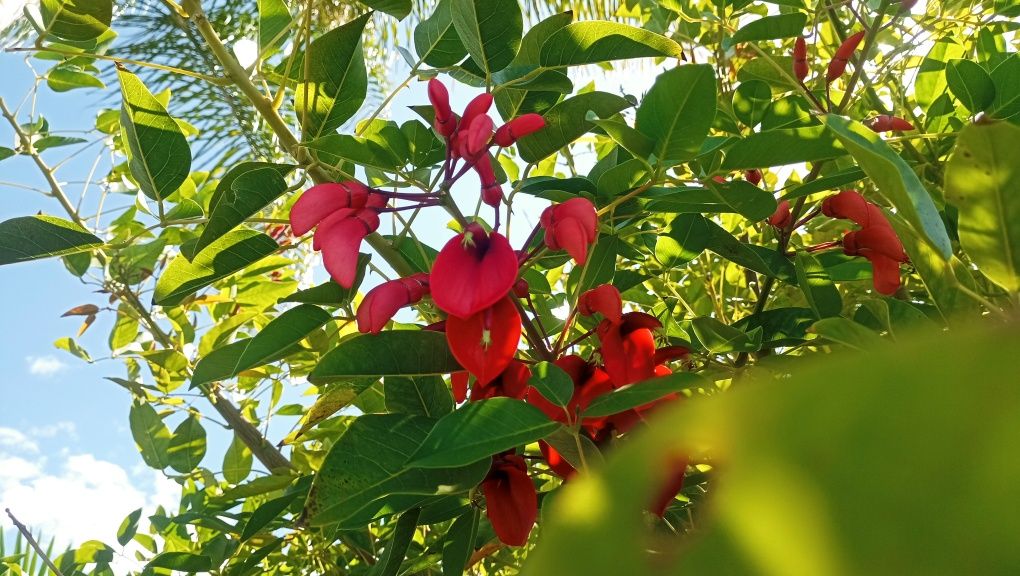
[[876, 239]]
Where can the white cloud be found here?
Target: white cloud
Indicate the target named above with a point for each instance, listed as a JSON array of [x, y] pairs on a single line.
[[63, 428], [45, 365], [12, 440]]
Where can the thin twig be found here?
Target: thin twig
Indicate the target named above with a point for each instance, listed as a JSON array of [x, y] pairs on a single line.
[[31, 541]]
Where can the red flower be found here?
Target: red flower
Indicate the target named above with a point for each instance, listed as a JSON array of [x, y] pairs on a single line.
[[887, 123], [604, 299], [881, 246], [511, 383], [571, 226], [519, 127], [472, 272], [511, 502], [590, 382], [459, 385], [445, 121], [674, 469], [839, 60], [850, 205], [322, 200], [753, 176], [782, 216], [628, 347], [800, 65], [476, 137], [492, 193], [383, 301], [485, 342]]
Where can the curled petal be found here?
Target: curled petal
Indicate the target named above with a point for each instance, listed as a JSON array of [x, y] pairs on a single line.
[[485, 343], [478, 106], [478, 135], [885, 274], [800, 64], [459, 385], [627, 353], [671, 482], [382, 302], [511, 383], [887, 123], [753, 176], [842, 56], [339, 240], [604, 299], [322, 200], [440, 99], [876, 239], [472, 272], [519, 127]]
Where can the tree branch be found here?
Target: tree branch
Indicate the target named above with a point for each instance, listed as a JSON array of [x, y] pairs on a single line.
[[31, 542]]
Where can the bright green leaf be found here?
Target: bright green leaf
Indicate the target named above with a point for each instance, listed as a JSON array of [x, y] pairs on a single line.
[[187, 445], [565, 122], [552, 383], [644, 392], [490, 30], [30, 237], [594, 42], [971, 85], [678, 111], [389, 353]]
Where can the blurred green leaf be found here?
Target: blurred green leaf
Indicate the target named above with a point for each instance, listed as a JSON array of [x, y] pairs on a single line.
[[593, 42], [274, 21], [814, 281]]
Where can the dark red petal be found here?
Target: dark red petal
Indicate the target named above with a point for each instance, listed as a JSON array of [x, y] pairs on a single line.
[[459, 384], [604, 299], [886, 274], [440, 99], [882, 240], [485, 343], [628, 357], [569, 235], [476, 107], [670, 353], [468, 278], [511, 504], [670, 485], [781, 217], [380, 304], [479, 133]]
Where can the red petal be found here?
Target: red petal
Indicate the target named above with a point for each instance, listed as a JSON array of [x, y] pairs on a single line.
[[339, 241], [459, 384], [467, 279], [850, 205], [604, 299], [628, 357], [674, 469], [882, 240], [476, 107], [886, 274], [570, 236], [322, 200], [440, 99], [561, 467], [511, 504], [781, 217], [380, 304], [500, 325], [582, 210]]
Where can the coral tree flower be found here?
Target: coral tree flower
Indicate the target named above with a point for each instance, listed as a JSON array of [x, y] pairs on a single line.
[[887, 123], [342, 213], [511, 503], [472, 272], [571, 226], [876, 240], [517, 128], [383, 301], [445, 122], [782, 216], [485, 342]]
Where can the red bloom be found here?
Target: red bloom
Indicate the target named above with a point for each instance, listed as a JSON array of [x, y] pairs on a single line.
[[485, 342], [628, 347], [881, 246], [476, 137], [839, 60], [383, 301], [571, 226], [511, 502], [604, 299], [673, 469], [753, 176], [887, 123], [782, 216], [472, 272], [322, 200], [850, 205], [519, 127], [459, 385], [590, 382], [445, 122], [511, 383], [492, 193], [339, 237], [800, 65]]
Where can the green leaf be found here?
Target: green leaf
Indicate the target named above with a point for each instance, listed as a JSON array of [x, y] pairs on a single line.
[[983, 182], [678, 111], [576, 448], [389, 353], [329, 293], [234, 251], [459, 542], [369, 462], [187, 446], [30, 237], [684, 241], [336, 84], [552, 383], [47, 142], [831, 182], [399, 9], [630, 139], [273, 342], [267, 513], [490, 30], [719, 338], [971, 85], [758, 258], [594, 42], [814, 281], [644, 392], [159, 158], [69, 345], [181, 562], [480, 429], [565, 122], [425, 396], [274, 24], [600, 265], [76, 20], [769, 28], [847, 333], [782, 147], [436, 40], [1006, 77], [245, 190], [335, 398], [396, 548], [63, 79], [237, 461], [6, 153], [750, 102], [336, 149], [128, 527], [150, 434], [895, 180], [744, 198]]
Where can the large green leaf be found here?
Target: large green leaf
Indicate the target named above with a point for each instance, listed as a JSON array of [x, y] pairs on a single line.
[[245, 190], [369, 462], [336, 84], [160, 158], [400, 540], [335, 149], [552, 383], [30, 237], [480, 429], [736, 196], [61, 79], [436, 40], [273, 342], [641, 393], [678, 111], [819, 291], [770, 28], [720, 338], [565, 122], [230, 253], [1006, 77], [782, 147], [895, 180], [274, 24], [425, 396], [983, 182], [389, 353], [76, 20], [187, 445], [399, 9], [593, 42], [971, 85], [811, 461], [490, 30], [150, 434]]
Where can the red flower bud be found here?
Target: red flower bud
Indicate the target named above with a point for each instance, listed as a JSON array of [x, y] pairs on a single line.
[[478, 106], [571, 226], [753, 176], [850, 205], [875, 239], [604, 299], [800, 65], [322, 200], [782, 216], [511, 503], [477, 137], [485, 342], [445, 122], [383, 301], [519, 127], [472, 272], [839, 60], [886, 123], [492, 192], [521, 288]]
